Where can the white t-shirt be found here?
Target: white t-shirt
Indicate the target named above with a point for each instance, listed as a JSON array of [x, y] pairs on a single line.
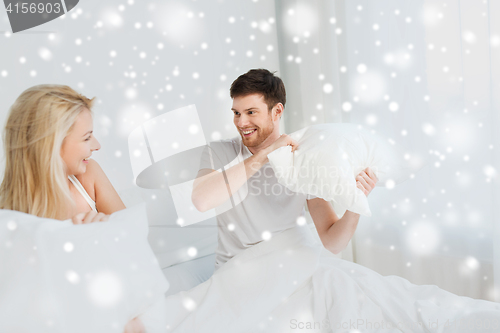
[[267, 209]]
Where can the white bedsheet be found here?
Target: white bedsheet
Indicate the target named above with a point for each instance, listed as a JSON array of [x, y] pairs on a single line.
[[284, 285]]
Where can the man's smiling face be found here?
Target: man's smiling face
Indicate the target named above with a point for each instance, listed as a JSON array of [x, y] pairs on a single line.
[[253, 120]]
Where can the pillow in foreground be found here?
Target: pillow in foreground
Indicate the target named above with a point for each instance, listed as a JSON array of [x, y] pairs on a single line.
[[60, 277], [328, 159], [170, 242]]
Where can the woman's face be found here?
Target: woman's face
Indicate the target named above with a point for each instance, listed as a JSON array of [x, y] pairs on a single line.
[[79, 144]]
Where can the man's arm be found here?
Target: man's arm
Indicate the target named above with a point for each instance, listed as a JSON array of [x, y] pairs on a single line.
[[210, 188], [334, 232]]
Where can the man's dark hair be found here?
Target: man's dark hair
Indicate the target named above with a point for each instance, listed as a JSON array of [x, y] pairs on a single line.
[[260, 81]]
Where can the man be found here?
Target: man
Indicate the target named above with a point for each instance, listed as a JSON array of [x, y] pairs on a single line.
[[259, 99]]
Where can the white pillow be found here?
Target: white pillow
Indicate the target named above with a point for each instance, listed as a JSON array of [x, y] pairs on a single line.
[[171, 243], [60, 277], [328, 159]]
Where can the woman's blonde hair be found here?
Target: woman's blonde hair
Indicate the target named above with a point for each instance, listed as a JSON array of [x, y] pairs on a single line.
[[35, 181]]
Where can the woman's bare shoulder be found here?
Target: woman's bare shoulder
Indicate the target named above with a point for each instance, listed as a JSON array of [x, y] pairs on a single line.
[[90, 177], [102, 191]]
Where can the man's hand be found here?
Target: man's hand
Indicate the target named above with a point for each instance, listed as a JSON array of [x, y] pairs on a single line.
[[366, 181], [89, 217], [282, 141]]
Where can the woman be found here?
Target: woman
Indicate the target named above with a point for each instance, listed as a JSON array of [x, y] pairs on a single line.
[[48, 141]]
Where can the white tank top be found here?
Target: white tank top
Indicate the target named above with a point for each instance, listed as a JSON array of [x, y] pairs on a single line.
[[82, 191]]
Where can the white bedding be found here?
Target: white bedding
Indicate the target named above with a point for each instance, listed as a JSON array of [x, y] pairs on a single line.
[[285, 285]]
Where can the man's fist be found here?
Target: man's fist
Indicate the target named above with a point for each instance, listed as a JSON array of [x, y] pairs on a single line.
[[366, 181], [283, 140]]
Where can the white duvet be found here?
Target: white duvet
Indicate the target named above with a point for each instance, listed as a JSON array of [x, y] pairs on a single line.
[[57, 277], [285, 285]]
